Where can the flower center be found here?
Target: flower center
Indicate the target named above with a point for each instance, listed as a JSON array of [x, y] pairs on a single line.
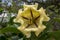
[[32, 20]]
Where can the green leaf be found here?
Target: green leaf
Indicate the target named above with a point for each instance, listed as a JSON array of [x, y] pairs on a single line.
[[56, 34], [9, 29], [57, 19]]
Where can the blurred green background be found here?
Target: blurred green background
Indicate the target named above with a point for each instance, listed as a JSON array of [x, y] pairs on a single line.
[[9, 10]]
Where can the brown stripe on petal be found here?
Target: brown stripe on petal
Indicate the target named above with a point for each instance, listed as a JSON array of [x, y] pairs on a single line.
[[25, 18], [35, 24], [37, 17], [31, 13]]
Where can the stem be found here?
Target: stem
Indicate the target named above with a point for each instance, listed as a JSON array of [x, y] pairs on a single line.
[[10, 15]]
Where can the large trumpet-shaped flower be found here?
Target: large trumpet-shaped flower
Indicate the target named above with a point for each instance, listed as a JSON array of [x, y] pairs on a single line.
[[31, 19]]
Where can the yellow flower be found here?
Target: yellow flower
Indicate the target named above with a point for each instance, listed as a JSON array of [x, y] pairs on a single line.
[[31, 19]]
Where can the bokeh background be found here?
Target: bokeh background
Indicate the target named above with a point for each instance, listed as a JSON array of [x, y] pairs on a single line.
[[9, 10]]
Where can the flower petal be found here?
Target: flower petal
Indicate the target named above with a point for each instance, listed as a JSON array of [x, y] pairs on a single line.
[[40, 29], [42, 12]]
